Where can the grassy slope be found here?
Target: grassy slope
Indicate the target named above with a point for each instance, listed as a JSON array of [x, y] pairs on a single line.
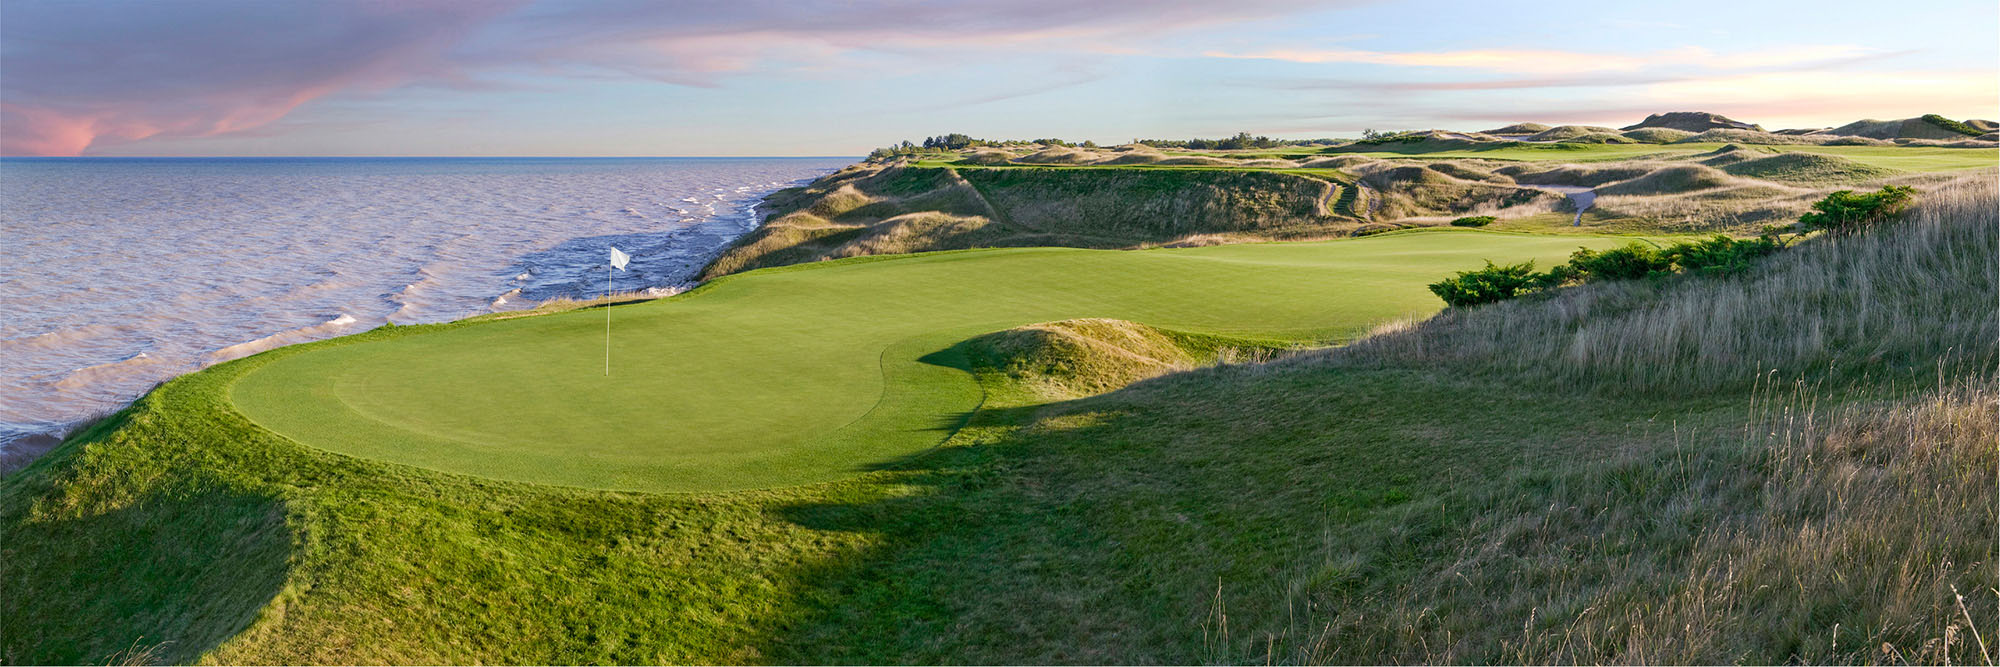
[[1113, 199], [807, 374], [884, 209]]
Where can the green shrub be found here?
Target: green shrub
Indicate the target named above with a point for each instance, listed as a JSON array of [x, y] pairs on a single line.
[[1474, 221], [1626, 262], [1848, 212], [1952, 125], [1487, 285], [1721, 254]]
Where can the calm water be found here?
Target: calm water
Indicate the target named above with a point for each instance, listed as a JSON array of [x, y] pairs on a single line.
[[116, 274]]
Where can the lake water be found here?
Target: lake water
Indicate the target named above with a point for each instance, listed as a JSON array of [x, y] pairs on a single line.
[[116, 274]]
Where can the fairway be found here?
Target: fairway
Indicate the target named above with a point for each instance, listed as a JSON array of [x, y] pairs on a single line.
[[809, 373]]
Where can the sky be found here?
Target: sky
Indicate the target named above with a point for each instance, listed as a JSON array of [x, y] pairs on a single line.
[[840, 77]]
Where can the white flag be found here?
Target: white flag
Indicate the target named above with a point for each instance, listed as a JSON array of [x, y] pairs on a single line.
[[618, 259]]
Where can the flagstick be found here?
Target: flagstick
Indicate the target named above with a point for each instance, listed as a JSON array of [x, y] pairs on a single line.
[[607, 319]]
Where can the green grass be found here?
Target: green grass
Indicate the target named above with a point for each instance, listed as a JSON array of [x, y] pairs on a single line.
[[810, 374]]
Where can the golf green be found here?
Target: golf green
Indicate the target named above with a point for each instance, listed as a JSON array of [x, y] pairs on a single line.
[[809, 373]]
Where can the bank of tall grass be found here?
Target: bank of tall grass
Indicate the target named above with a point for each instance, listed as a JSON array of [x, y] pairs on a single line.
[[1896, 303]]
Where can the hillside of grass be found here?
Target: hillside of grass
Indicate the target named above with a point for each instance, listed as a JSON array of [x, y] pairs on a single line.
[[1790, 465], [903, 208], [1140, 196]]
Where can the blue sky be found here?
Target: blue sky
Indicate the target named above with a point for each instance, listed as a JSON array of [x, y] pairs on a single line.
[[624, 77]]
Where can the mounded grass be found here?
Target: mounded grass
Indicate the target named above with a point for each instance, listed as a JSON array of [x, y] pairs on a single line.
[[803, 375], [1808, 168]]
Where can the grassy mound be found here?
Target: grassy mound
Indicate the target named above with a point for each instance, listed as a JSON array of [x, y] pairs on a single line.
[[1058, 155], [1599, 138], [1807, 168], [1753, 137], [1691, 122], [1467, 171], [986, 156], [1195, 161], [1076, 358], [1669, 180], [1656, 135], [1135, 156], [1342, 162], [1418, 191], [1575, 175], [1562, 132], [1519, 129], [1904, 128]]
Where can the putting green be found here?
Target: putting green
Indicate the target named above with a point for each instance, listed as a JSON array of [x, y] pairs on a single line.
[[809, 373]]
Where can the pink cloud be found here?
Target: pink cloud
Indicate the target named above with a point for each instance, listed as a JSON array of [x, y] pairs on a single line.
[[81, 76]]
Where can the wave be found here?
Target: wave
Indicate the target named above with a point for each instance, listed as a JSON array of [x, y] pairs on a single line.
[[302, 334]]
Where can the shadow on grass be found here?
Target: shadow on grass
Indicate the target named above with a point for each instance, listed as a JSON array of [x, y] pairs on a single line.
[[161, 578], [1106, 529]]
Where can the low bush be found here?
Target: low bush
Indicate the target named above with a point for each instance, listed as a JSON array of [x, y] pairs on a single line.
[[1487, 285], [1849, 212], [1952, 125], [1721, 255], [1626, 262], [1474, 221], [1717, 256]]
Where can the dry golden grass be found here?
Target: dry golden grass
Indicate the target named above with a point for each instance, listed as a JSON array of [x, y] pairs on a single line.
[[1857, 534], [1898, 300]]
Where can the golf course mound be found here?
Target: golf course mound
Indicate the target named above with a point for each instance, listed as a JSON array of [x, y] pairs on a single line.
[[810, 373], [1082, 357], [1810, 168]]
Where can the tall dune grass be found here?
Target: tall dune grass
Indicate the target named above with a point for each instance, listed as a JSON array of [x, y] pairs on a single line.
[[1895, 302], [1857, 534]]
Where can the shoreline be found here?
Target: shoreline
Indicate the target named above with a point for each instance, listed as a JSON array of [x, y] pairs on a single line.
[[23, 450]]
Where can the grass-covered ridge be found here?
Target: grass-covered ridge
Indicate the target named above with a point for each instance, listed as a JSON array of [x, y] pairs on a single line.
[[1621, 472], [1134, 196]]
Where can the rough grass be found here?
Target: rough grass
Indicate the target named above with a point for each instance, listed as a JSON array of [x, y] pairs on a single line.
[[904, 209], [1076, 358], [1807, 168], [1518, 129], [1656, 135], [1563, 132], [1891, 304], [1670, 180]]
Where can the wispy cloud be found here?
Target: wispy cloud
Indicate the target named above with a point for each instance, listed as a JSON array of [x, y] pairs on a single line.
[[1557, 62], [82, 75]]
